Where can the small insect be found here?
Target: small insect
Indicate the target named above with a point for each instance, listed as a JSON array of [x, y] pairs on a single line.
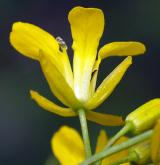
[[61, 43]]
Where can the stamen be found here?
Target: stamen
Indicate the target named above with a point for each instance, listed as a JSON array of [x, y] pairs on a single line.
[[61, 43]]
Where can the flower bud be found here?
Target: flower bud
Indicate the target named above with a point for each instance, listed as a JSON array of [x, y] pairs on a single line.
[[139, 120], [142, 150], [145, 116]]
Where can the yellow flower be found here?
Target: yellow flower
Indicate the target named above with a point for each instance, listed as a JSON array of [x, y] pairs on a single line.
[[75, 89], [68, 147]]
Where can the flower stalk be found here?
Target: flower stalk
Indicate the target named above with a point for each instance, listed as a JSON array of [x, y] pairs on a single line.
[[85, 134], [117, 148], [122, 132]]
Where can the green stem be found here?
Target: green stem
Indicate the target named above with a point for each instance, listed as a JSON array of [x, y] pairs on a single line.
[[122, 132], [84, 128], [117, 148], [130, 158]]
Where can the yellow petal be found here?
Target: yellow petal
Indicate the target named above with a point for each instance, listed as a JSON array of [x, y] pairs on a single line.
[[155, 144], [87, 26], [108, 84], [67, 146], [57, 82], [104, 119], [29, 39], [117, 156], [122, 49], [101, 141], [65, 68], [50, 106]]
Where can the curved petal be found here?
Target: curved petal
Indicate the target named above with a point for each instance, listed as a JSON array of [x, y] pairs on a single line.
[[50, 106], [104, 119], [87, 26], [155, 144], [57, 82], [102, 141], [29, 39], [67, 146], [121, 49], [108, 84], [116, 156]]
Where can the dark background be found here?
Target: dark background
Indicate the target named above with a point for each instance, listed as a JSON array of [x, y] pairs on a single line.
[[25, 129]]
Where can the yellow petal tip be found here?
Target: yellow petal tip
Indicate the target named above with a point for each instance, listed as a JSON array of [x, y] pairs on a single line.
[[143, 48], [129, 59], [32, 93], [80, 8], [27, 39], [15, 25], [131, 48]]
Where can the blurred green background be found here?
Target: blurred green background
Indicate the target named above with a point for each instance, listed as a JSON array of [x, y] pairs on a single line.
[[25, 129]]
